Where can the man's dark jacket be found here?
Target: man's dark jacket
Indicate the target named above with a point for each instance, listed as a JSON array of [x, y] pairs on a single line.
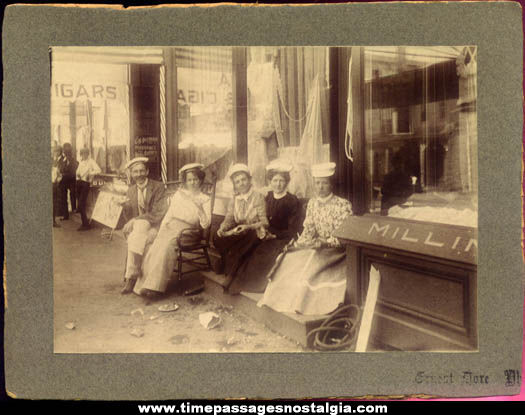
[[156, 203]]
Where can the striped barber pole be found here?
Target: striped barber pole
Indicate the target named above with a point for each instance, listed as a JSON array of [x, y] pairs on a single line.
[[163, 157]]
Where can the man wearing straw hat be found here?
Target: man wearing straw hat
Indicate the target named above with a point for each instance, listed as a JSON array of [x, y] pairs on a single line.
[[144, 210]]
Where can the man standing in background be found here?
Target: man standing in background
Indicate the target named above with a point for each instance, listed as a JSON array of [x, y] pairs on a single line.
[[56, 177], [87, 169], [68, 181]]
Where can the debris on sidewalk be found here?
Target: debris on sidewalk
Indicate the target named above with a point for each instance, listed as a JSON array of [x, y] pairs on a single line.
[[194, 290], [231, 341], [96, 319], [138, 311], [209, 320], [137, 332], [222, 308], [168, 307]]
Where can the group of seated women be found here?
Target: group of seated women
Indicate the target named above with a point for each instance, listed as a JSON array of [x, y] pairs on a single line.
[[263, 244]]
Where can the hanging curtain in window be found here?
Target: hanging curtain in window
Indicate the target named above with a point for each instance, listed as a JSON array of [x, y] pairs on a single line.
[[349, 140], [302, 112], [261, 123], [297, 68]]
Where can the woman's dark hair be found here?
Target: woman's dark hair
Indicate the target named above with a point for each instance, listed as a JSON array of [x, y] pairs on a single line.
[[67, 148], [285, 175], [198, 172]]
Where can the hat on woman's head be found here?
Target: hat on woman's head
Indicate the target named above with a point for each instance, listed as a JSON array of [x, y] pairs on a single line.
[[238, 168], [136, 160], [323, 170], [280, 166], [191, 166]]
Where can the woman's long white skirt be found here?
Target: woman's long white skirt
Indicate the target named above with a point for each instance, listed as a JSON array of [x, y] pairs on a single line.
[[160, 258], [308, 281]]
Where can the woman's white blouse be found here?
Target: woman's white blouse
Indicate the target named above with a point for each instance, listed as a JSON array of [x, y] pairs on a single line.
[[183, 206]]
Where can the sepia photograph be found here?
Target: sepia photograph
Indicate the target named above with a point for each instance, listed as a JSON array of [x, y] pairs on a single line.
[[263, 202], [261, 199]]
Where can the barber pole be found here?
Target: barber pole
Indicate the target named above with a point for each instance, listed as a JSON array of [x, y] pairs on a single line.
[[162, 91]]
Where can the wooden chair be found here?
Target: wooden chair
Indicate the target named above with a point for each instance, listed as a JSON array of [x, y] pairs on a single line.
[[193, 244]]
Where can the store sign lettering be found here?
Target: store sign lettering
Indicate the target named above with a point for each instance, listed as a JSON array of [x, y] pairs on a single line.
[[406, 234], [79, 91], [199, 97], [148, 147], [146, 140]]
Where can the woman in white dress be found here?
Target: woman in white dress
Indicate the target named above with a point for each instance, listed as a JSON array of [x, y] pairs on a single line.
[[189, 209], [311, 278]]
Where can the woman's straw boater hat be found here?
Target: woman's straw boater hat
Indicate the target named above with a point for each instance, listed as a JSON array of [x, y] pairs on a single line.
[[323, 170], [238, 168], [136, 160], [280, 166], [191, 166]]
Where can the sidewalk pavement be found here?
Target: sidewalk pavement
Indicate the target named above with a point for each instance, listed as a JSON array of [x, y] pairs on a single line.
[[91, 316]]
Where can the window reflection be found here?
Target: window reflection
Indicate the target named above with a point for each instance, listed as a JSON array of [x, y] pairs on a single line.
[[205, 107], [421, 135], [90, 109]]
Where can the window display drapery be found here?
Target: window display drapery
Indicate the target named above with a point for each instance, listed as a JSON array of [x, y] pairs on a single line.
[[349, 143], [310, 150], [261, 123], [288, 112]]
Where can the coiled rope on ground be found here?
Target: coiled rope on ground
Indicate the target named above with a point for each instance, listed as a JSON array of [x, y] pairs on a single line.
[[338, 331]]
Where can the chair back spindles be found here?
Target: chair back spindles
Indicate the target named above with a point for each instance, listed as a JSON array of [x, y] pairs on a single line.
[[199, 259]]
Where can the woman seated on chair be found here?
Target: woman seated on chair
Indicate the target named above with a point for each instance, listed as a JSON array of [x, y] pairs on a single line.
[[310, 278], [189, 209], [283, 212], [245, 222]]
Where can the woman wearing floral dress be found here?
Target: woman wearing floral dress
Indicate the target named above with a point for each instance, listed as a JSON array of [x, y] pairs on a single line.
[[283, 211], [189, 209], [311, 278]]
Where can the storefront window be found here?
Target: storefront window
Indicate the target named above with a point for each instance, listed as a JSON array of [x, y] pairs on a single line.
[[205, 107], [421, 133], [288, 111], [90, 109]]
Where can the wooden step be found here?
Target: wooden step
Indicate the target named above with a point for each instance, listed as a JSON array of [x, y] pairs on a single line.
[[290, 325]]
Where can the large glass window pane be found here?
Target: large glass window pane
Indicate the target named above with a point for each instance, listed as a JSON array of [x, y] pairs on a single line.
[[205, 107], [421, 133], [90, 109], [288, 111]]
